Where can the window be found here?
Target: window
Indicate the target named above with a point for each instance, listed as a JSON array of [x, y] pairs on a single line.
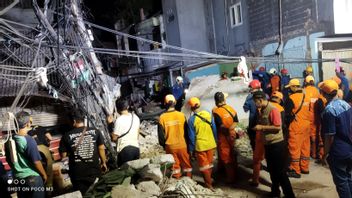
[[236, 15]]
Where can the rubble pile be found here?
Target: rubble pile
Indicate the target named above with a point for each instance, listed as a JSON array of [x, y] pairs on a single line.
[[242, 144], [148, 140], [186, 187]]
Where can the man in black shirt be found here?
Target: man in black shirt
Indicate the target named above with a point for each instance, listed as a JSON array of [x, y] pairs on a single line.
[[84, 146]]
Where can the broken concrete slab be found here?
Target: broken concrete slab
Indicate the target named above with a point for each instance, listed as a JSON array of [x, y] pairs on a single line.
[[163, 159], [151, 171], [126, 192], [136, 164], [149, 187]]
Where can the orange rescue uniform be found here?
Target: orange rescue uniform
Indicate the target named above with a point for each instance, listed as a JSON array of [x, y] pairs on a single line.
[[319, 108], [225, 116], [313, 93], [299, 131], [171, 132], [275, 83]]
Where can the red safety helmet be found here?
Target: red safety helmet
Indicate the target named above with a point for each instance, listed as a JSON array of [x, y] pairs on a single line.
[[261, 68], [255, 84], [284, 71]]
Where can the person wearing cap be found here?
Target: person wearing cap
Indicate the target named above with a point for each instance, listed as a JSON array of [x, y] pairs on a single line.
[[269, 124], [308, 71], [319, 107], [274, 80], [226, 120], [28, 166], [314, 94], [336, 127], [178, 91], [277, 99], [340, 92], [297, 119], [250, 107], [285, 79], [202, 136], [172, 130]]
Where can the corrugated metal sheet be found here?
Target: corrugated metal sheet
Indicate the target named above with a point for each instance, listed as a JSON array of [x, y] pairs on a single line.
[[43, 116]]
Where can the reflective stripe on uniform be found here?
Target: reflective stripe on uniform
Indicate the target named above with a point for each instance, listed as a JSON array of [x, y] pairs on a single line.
[[294, 160], [187, 170], [176, 171], [206, 167], [305, 158]]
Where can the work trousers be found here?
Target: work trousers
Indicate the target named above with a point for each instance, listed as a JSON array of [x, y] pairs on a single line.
[[127, 154], [182, 159], [258, 157], [299, 145], [31, 186], [205, 163], [276, 160], [227, 156], [341, 171]]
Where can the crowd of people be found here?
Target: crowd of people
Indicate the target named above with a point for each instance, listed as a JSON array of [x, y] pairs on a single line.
[[289, 124]]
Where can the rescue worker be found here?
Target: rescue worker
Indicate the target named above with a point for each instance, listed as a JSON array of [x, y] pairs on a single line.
[[226, 120], [319, 107], [297, 116], [308, 71], [249, 105], [274, 80], [269, 124], [340, 93], [337, 130], [263, 77], [285, 79], [178, 91], [313, 93], [202, 136], [172, 130]]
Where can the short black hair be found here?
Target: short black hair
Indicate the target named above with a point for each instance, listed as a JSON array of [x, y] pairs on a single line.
[[22, 118], [121, 105], [259, 95], [219, 97], [78, 115]]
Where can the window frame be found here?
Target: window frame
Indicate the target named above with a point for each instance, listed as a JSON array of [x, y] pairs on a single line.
[[233, 11]]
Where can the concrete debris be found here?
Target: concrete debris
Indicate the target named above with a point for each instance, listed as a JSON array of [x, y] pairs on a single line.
[[136, 164], [121, 191], [151, 171], [149, 187], [149, 145], [163, 159], [242, 144], [189, 188], [76, 194]]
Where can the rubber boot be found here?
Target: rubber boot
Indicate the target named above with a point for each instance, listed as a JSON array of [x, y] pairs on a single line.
[[207, 178]]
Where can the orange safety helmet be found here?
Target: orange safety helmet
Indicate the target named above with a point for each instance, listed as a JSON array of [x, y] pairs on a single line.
[[169, 98], [278, 95], [329, 86], [194, 102], [255, 84]]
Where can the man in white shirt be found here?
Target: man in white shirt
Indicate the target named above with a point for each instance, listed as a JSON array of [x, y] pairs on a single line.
[[125, 134]]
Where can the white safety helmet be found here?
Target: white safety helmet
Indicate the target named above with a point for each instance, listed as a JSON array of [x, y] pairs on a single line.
[[272, 71], [179, 79]]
